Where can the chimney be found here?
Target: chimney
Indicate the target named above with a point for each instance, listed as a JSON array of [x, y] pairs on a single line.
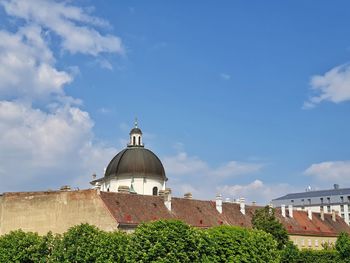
[[290, 210], [309, 214], [188, 195], [242, 206], [283, 210], [65, 188], [219, 203], [334, 216], [167, 198], [123, 189], [322, 214]]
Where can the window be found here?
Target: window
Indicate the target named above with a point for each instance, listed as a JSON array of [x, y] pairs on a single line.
[[155, 190], [321, 200], [328, 208], [342, 208], [321, 208], [309, 201], [302, 200], [303, 243], [342, 199], [316, 243], [292, 201], [140, 140], [309, 242], [328, 200], [348, 198], [133, 140]]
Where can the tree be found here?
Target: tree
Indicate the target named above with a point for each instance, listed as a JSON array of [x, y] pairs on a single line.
[[290, 253], [86, 243], [241, 245], [164, 241], [343, 246], [19, 246], [264, 219]]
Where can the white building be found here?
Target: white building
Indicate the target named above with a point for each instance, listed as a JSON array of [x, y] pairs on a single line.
[[336, 199], [135, 169]]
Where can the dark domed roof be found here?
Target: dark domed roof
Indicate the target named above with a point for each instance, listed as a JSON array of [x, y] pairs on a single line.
[[136, 161], [136, 130]]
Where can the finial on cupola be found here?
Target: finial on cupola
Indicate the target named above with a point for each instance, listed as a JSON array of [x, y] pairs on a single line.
[[135, 136]]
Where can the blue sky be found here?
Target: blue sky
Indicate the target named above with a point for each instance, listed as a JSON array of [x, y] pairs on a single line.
[[244, 99]]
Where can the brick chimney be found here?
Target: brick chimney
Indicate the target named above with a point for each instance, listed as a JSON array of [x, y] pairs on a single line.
[[188, 195], [322, 214], [242, 205], [309, 214], [218, 203], [290, 211], [123, 189], [283, 210], [334, 217], [166, 194]]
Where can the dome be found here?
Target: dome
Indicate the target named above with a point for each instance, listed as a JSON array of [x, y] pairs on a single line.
[[136, 162], [136, 131]]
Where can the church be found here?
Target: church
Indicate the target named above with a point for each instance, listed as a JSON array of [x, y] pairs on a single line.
[[133, 191]]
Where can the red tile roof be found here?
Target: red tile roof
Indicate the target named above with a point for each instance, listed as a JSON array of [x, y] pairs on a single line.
[[134, 209]]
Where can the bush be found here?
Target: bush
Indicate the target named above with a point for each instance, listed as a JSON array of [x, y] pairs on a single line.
[[318, 256], [290, 254], [164, 241], [235, 244], [343, 246], [18, 246], [86, 243]]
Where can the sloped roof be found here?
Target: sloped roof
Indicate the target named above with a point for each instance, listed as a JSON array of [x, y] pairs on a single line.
[[135, 209], [309, 194]]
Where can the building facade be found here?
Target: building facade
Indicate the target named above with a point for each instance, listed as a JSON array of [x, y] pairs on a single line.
[[336, 199]]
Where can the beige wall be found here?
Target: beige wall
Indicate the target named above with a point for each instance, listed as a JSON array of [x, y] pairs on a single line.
[[53, 211], [311, 242]]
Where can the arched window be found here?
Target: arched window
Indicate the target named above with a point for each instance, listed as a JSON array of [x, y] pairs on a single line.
[[155, 190], [140, 140], [133, 140]]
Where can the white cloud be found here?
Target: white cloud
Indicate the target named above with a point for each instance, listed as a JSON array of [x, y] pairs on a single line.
[[333, 86], [255, 191], [53, 145], [225, 76], [332, 171], [66, 21], [191, 174], [182, 164], [56, 147], [27, 65]]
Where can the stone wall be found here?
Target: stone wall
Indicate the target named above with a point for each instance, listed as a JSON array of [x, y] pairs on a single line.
[[54, 211]]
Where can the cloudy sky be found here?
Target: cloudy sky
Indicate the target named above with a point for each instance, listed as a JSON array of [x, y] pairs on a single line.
[[247, 100]]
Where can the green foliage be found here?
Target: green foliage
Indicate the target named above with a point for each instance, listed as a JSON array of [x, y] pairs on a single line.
[[235, 244], [318, 256], [343, 246], [86, 243], [264, 219], [19, 246], [164, 241], [290, 253]]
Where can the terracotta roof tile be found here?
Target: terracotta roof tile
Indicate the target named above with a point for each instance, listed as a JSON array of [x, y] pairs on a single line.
[[135, 209]]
